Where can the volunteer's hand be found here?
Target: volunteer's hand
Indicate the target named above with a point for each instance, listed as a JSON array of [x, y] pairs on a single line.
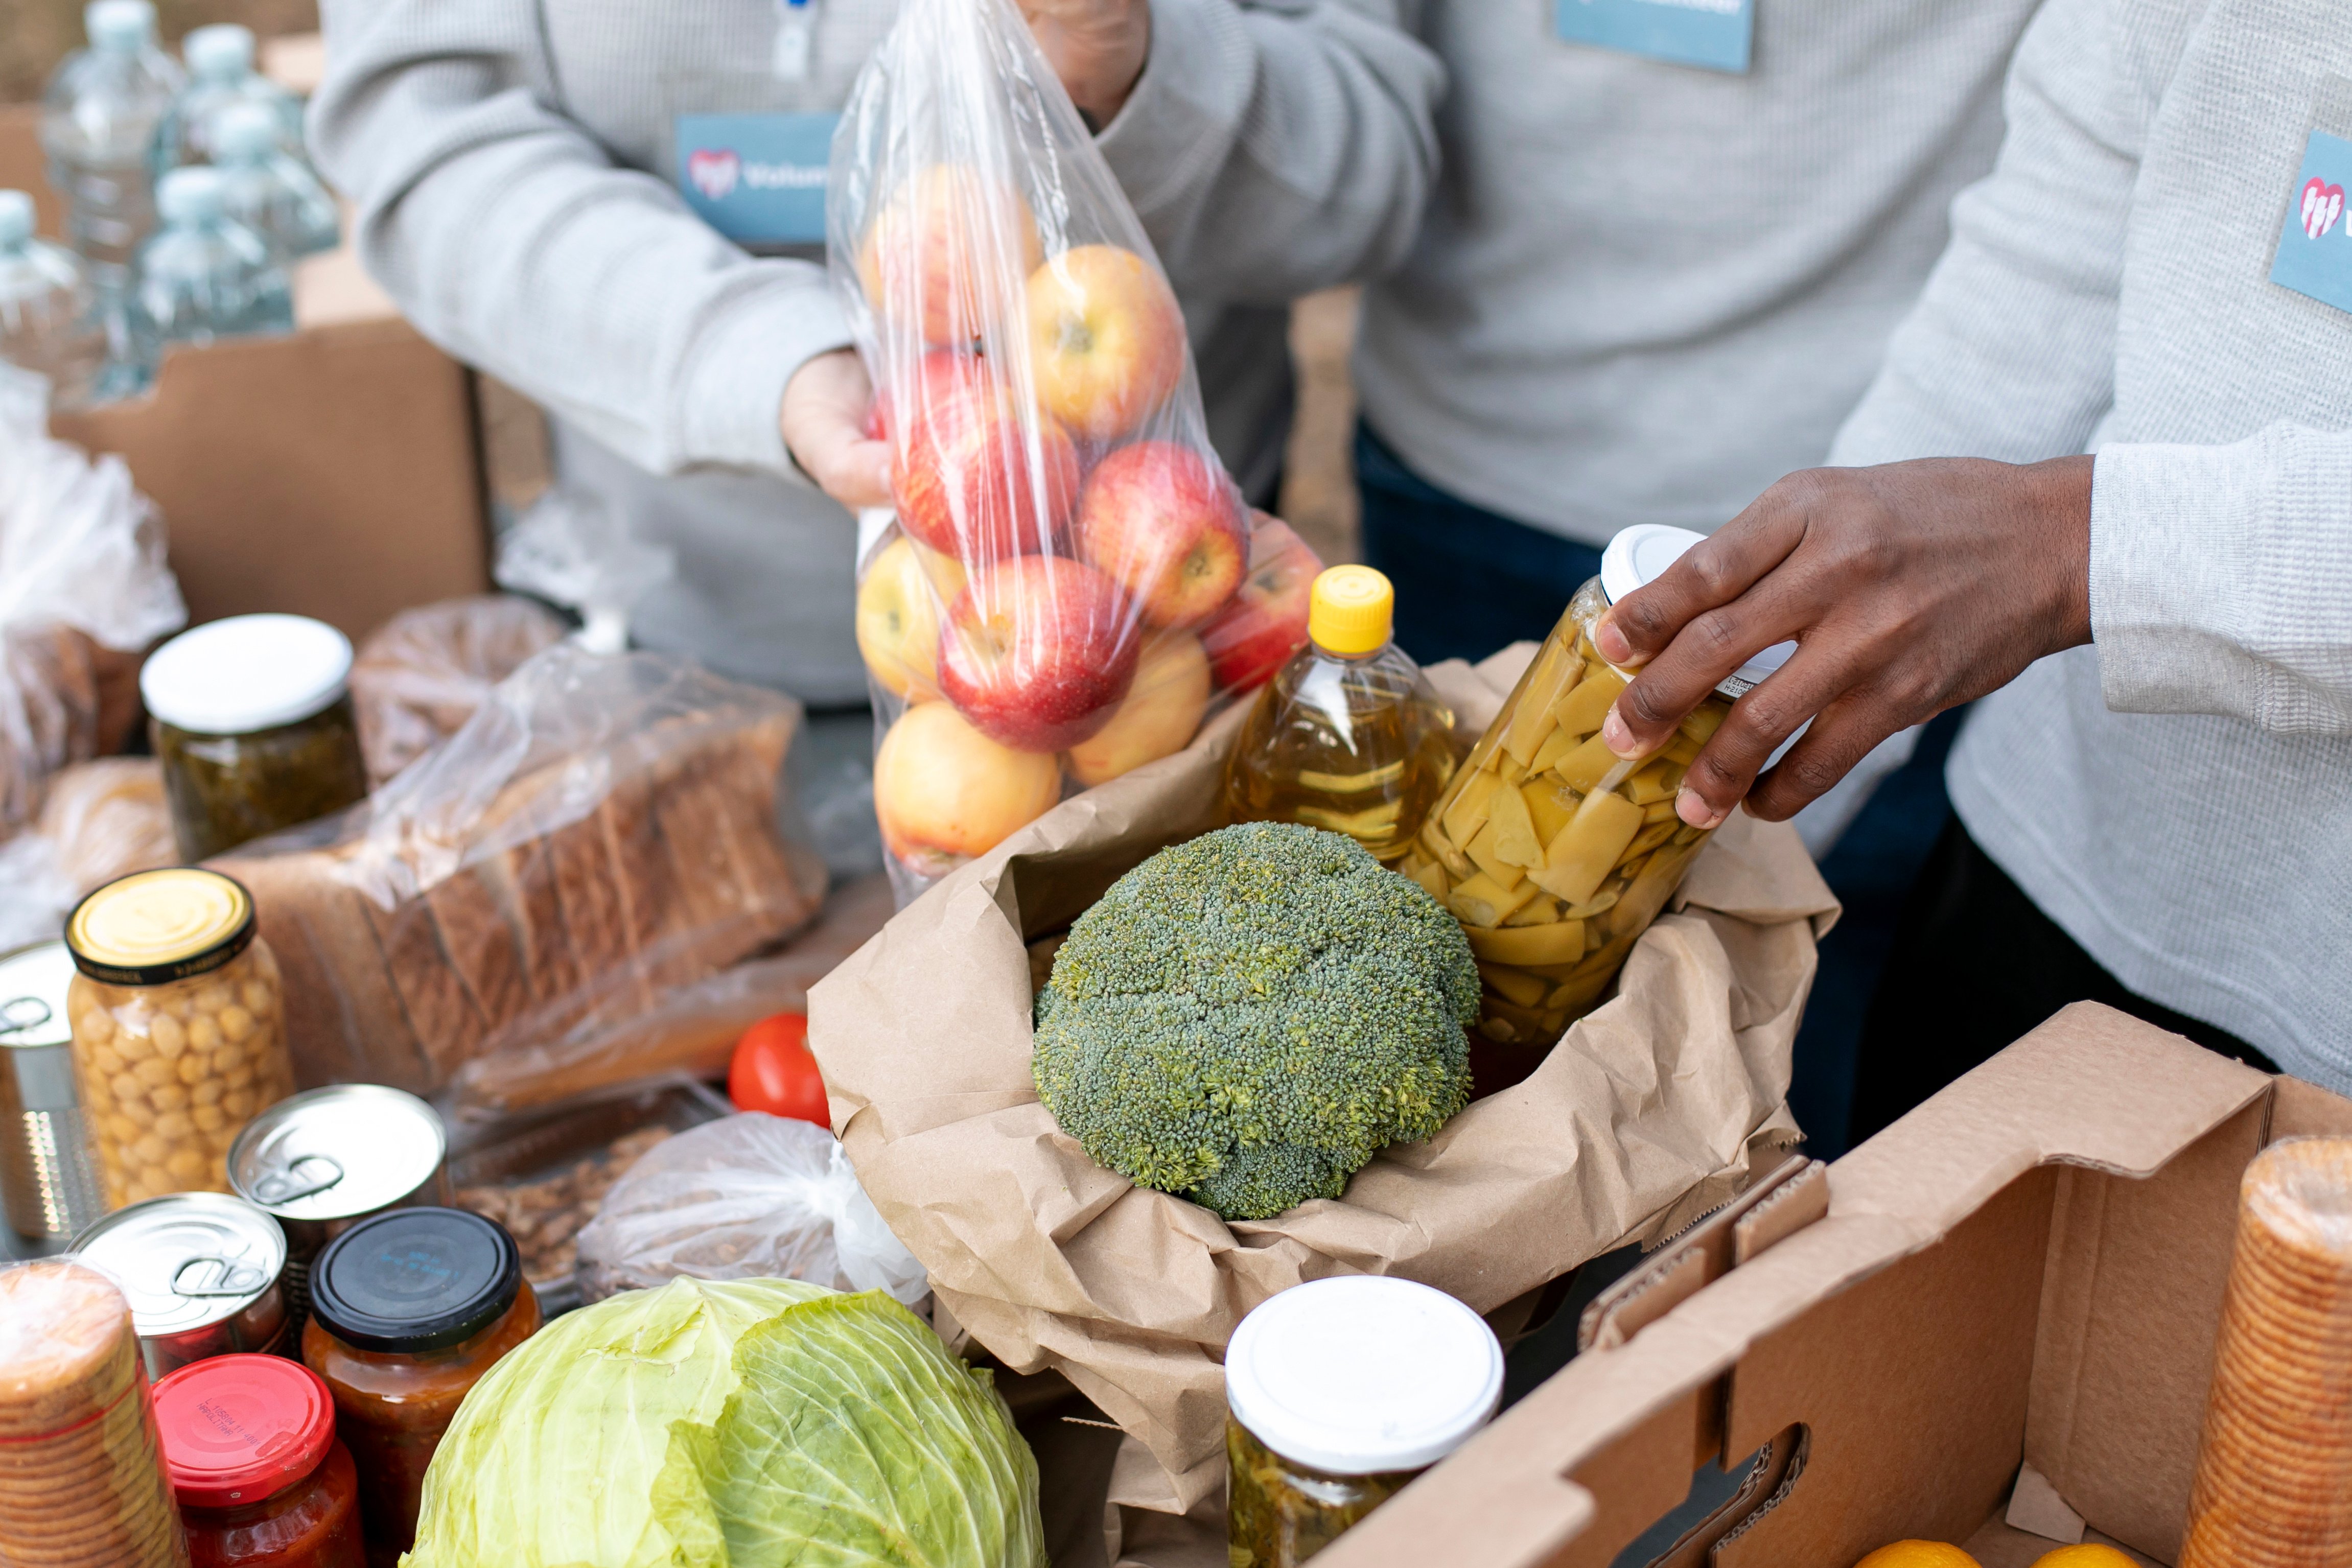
[[825, 407], [1910, 589], [1096, 47]]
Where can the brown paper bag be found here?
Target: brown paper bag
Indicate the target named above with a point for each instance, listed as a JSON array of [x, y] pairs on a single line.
[[1652, 1111]]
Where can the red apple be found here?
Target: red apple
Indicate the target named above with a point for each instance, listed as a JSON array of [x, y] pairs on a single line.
[[1106, 339], [1163, 709], [937, 373], [944, 792], [1265, 621], [976, 481], [948, 253], [1166, 524], [1038, 651]]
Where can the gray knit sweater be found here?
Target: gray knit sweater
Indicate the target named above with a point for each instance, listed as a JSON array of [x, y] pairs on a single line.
[[2178, 797]]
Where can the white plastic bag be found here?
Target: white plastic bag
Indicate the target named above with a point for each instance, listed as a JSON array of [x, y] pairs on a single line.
[[748, 1197]]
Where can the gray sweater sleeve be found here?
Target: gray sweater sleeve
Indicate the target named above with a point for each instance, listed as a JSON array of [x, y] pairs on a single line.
[[1282, 146], [510, 238]]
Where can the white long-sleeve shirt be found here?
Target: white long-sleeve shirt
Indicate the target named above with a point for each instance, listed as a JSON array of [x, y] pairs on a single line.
[[2178, 797]]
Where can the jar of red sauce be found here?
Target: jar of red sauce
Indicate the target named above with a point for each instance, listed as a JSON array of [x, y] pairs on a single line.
[[407, 1312], [249, 1447]]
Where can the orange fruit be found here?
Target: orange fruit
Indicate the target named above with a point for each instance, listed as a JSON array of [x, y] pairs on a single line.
[[1918, 1554], [2090, 1554]]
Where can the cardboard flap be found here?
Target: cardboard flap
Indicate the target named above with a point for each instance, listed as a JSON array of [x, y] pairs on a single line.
[[1699, 1255]]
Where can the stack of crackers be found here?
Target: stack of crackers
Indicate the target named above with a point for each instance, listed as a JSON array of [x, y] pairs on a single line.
[[81, 1482], [2274, 1474]]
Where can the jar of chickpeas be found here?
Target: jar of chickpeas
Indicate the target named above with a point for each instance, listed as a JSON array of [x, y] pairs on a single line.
[[178, 1027], [1554, 853]]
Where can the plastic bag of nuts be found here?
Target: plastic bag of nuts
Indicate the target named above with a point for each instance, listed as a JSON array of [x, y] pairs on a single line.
[[177, 1033]]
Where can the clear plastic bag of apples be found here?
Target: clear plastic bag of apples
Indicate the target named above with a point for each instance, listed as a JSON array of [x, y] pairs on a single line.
[[1072, 585]]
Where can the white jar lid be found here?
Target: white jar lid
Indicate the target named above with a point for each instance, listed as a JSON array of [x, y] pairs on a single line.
[[1639, 556], [245, 674], [1363, 1374]]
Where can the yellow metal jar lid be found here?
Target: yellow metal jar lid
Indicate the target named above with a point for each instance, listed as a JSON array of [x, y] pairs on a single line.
[[1351, 610], [153, 927]]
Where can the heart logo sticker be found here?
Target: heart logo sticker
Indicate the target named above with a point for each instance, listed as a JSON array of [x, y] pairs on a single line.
[[715, 173], [2323, 204]]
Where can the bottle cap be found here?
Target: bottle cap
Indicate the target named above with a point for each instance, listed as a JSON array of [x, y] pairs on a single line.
[[222, 52], [244, 132], [1639, 556], [191, 197], [246, 672], [415, 1280], [236, 1429], [1351, 609], [1363, 1374], [153, 927], [119, 27], [15, 218]]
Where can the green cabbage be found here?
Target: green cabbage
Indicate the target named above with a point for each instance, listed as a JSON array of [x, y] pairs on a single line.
[[732, 1424]]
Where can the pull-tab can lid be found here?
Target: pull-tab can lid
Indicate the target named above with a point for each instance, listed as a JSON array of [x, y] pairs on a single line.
[[1639, 556], [186, 1260]]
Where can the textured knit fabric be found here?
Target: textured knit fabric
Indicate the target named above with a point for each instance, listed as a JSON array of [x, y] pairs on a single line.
[[2178, 796], [1640, 292], [508, 162]]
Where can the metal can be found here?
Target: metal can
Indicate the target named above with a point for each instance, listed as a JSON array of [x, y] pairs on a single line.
[[48, 1179], [201, 1270], [322, 1161]]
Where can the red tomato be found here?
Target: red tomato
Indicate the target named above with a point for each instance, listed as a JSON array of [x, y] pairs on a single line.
[[774, 1072]]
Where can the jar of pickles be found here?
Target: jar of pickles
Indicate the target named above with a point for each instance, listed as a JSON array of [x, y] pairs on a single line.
[[1337, 1394], [1554, 853], [177, 1028]]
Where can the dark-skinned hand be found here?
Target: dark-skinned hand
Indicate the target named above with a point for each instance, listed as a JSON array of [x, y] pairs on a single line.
[[1909, 588]]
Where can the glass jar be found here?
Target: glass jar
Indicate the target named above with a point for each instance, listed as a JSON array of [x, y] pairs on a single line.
[[1555, 853], [407, 1312], [1338, 1393], [178, 1029], [1347, 736], [250, 1444], [253, 723]]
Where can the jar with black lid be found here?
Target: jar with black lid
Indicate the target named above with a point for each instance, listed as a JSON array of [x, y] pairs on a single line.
[[253, 723], [408, 1310]]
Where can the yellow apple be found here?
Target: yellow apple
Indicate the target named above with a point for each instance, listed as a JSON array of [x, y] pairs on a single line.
[[943, 791], [948, 253], [899, 609], [1106, 339], [1162, 711]]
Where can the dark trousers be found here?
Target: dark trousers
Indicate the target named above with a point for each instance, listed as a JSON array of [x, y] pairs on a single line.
[[1974, 965], [1468, 580]]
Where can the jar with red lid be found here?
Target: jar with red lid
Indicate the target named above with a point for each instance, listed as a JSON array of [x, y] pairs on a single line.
[[250, 1450], [407, 1312]]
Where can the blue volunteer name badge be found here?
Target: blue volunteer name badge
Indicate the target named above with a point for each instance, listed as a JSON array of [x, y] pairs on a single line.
[[1717, 35], [2314, 250], [759, 179]]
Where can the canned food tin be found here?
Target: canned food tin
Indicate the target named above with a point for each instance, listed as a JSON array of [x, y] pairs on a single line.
[[48, 1180], [201, 1270], [321, 1162]]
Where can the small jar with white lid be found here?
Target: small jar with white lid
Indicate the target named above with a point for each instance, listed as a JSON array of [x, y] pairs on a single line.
[[1338, 1393], [252, 720]]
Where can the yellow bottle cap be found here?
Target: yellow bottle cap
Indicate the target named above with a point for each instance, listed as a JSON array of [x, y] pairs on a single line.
[[155, 926], [1352, 610]]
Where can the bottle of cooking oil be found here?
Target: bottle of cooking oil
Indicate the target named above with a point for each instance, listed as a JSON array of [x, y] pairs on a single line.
[[1347, 736]]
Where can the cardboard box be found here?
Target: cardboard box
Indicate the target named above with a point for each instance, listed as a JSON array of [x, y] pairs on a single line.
[[1992, 1324]]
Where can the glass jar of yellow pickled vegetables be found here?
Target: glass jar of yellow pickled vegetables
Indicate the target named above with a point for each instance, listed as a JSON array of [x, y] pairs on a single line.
[[1554, 853]]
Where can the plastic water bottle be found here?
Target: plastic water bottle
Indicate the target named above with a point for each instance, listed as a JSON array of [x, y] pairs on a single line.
[[207, 276], [269, 189], [100, 122], [48, 312], [221, 76]]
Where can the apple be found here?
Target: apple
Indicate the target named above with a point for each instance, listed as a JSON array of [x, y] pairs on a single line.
[[1162, 710], [1106, 337], [946, 254], [943, 791], [972, 479], [937, 373], [898, 612], [1265, 621], [1039, 650], [1166, 524]]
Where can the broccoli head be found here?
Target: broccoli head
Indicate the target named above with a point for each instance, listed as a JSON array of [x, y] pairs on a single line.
[[1246, 1020]]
